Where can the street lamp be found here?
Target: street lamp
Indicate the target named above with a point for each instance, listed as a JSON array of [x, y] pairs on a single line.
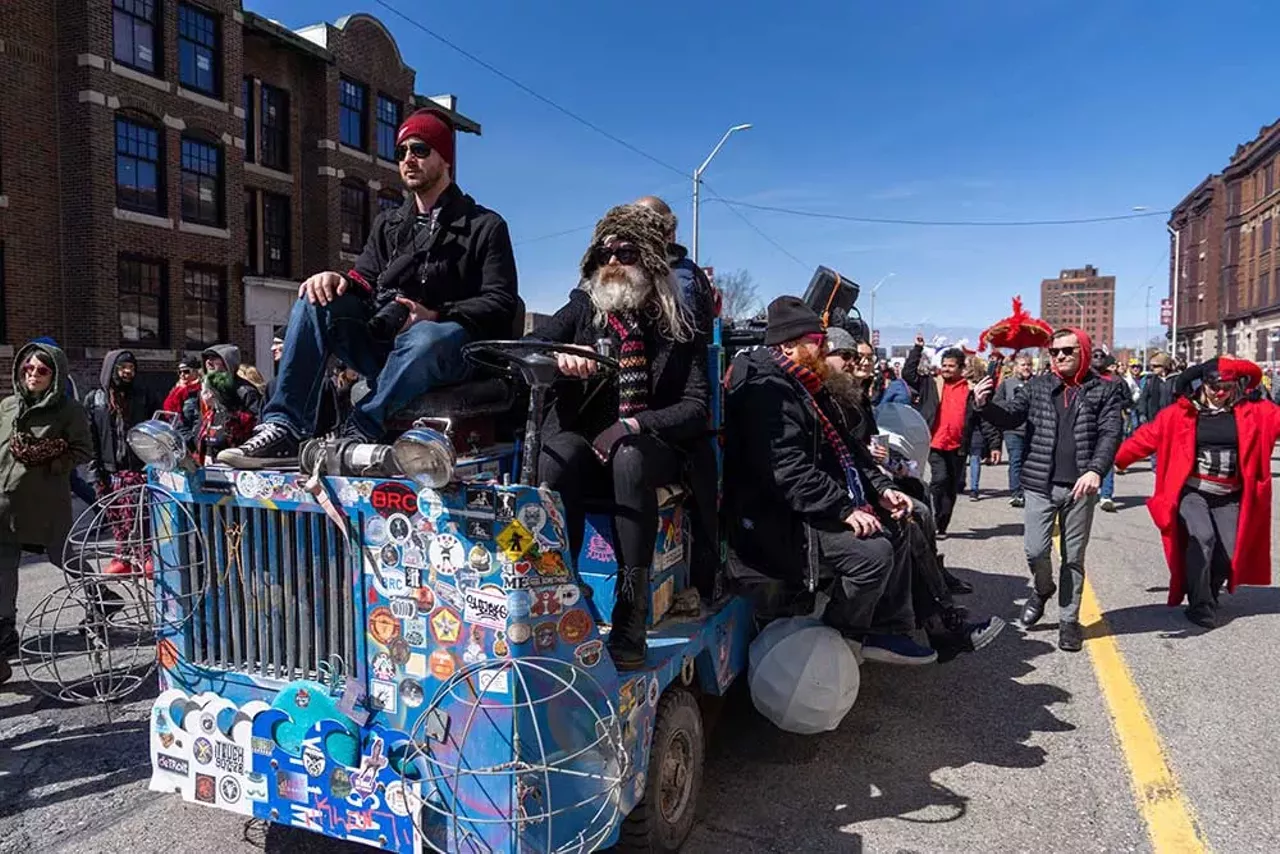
[[875, 288], [1177, 257], [697, 180], [1071, 295]]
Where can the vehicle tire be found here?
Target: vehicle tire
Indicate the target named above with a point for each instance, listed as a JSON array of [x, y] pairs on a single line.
[[662, 819]]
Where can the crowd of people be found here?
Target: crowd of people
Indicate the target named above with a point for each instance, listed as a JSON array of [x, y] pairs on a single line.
[[816, 495]]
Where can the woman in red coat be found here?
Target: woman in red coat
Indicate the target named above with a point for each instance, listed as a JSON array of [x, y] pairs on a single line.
[[1212, 499]]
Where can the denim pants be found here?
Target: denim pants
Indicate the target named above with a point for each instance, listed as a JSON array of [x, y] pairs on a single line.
[[1075, 519], [1108, 489], [423, 357], [975, 471], [1016, 444]]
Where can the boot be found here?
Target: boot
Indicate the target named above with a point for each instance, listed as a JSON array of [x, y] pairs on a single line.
[[628, 634]]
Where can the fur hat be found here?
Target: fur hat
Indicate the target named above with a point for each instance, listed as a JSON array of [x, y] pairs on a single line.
[[644, 228]]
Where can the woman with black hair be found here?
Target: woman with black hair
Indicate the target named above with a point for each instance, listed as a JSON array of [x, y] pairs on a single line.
[[1212, 500]]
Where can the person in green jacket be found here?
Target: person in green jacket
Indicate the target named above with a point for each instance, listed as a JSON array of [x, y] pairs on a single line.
[[44, 435]]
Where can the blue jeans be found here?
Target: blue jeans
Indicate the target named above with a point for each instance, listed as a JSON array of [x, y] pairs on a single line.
[[423, 357], [975, 471], [1109, 484], [1016, 444]]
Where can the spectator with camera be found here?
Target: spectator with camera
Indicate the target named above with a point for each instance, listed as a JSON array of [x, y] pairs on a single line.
[[435, 274]]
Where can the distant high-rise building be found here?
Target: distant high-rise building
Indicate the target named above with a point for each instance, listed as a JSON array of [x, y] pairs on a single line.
[[1084, 299]]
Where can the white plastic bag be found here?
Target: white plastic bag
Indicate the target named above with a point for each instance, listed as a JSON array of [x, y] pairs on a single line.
[[803, 676]]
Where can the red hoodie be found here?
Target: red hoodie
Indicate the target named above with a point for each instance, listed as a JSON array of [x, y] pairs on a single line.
[[1084, 349]]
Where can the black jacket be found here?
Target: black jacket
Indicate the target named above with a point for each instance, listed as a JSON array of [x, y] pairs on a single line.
[[1156, 394], [679, 392], [699, 295], [466, 270], [1099, 425], [110, 430], [924, 391], [781, 478]]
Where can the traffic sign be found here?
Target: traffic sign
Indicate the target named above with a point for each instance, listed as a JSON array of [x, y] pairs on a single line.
[[1166, 311], [875, 338]]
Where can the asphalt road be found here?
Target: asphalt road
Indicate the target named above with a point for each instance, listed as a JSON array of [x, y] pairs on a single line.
[[1011, 749]]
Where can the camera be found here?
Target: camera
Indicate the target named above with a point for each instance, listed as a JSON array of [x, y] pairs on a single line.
[[387, 321]]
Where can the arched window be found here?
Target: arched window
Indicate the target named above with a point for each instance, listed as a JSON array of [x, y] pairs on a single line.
[[139, 164]]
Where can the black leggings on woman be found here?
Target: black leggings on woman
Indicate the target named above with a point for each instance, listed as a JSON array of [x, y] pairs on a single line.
[[629, 481]]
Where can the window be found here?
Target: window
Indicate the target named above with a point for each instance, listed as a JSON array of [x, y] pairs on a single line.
[[4, 325], [198, 65], [201, 182], [276, 213], [351, 113], [246, 104], [204, 293], [1269, 177], [275, 128], [138, 185], [388, 124], [1266, 234], [141, 291], [353, 213], [133, 26], [389, 201], [1233, 198], [1264, 289], [251, 232]]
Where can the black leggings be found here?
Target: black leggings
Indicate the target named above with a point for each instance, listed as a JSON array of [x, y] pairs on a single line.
[[629, 481]]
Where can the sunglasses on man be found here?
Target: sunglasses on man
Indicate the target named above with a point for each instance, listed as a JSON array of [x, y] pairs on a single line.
[[37, 370], [626, 254], [1066, 352], [420, 150]]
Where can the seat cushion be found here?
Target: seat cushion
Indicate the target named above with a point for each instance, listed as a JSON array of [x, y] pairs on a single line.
[[488, 396]]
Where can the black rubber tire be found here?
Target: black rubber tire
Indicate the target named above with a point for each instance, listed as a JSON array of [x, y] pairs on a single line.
[[646, 830]]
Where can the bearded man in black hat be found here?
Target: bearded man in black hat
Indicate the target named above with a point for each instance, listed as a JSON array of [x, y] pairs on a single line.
[[802, 502], [619, 443]]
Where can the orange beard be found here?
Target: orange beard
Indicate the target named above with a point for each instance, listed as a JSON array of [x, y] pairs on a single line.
[[816, 363]]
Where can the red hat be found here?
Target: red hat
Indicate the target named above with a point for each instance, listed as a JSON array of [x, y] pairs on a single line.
[[430, 127]]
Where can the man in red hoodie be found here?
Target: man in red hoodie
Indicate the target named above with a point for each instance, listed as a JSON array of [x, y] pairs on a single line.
[[1074, 426]]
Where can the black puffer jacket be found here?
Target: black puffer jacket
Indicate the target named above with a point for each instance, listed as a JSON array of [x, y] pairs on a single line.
[[1099, 424], [781, 477], [110, 425]]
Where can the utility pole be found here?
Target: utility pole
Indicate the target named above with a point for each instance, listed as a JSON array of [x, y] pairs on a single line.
[[1146, 331], [697, 181], [1177, 258], [875, 288]]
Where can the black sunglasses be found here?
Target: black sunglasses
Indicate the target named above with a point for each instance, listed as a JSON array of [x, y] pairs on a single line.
[[1062, 351], [419, 150], [626, 255]]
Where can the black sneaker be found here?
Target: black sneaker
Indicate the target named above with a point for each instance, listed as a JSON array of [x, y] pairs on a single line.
[[1203, 616], [973, 495], [272, 445], [1017, 501]]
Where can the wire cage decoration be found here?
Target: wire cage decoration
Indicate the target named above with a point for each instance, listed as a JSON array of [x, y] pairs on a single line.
[[529, 749], [135, 571]]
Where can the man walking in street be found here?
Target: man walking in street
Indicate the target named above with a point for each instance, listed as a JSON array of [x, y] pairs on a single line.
[[946, 403], [1015, 440], [1157, 390], [1074, 426]]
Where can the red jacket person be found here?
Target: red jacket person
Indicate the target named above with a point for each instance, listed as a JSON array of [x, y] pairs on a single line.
[[1212, 500]]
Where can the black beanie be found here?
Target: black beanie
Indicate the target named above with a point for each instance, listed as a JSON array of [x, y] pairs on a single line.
[[789, 319]]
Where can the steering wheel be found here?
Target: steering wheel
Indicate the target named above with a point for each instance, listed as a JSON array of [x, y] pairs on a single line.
[[532, 358]]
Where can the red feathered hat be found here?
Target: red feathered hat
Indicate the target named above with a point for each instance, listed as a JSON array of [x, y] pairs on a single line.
[[1235, 370], [1018, 331]]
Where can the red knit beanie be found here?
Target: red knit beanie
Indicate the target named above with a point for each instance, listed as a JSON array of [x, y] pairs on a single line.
[[430, 127]]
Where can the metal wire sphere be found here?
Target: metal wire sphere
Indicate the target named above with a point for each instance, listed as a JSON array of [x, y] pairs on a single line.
[[558, 771], [134, 570]]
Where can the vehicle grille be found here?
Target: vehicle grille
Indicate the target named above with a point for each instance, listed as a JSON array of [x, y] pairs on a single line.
[[279, 594]]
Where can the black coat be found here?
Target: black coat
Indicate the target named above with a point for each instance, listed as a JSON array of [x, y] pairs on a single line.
[[782, 479], [110, 430], [924, 391], [466, 270], [1156, 394], [679, 392], [1099, 425]]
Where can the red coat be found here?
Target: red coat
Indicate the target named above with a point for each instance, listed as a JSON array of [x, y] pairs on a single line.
[[1172, 438]]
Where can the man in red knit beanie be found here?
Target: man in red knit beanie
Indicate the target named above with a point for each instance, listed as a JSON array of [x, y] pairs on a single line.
[[436, 273]]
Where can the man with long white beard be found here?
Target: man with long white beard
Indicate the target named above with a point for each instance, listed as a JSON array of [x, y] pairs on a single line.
[[620, 442]]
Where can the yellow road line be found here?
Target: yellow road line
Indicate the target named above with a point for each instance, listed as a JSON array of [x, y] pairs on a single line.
[[1171, 823]]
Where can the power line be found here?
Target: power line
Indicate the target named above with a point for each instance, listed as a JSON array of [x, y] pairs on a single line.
[[528, 91], [775, 244], [939, 222]]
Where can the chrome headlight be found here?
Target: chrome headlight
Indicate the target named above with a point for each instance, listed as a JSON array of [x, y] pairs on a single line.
[[158, 444], [426, 456]]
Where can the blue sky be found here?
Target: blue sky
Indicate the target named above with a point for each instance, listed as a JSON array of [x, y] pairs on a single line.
[[994, 110]]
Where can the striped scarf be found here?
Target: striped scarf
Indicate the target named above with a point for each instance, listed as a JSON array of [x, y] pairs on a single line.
[[633, 363], [812, 384]]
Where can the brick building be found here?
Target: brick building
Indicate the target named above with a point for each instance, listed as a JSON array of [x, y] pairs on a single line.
[[156, 160], [1082, 298], [1228, 265]]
